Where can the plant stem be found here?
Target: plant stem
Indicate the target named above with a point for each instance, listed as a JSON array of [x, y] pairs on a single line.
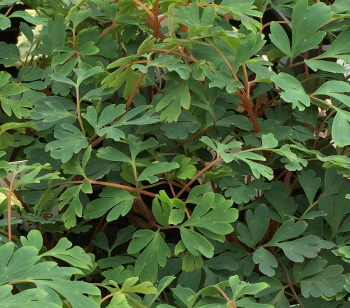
[[78, 111], [156, 20], [139, 3], [290, 285], [10, 9], [248, 107], [108, 29], [125, 187], [9, 208], [212, 164], [17, 195]]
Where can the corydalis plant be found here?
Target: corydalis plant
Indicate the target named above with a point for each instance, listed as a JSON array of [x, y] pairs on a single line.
[[198, 153]]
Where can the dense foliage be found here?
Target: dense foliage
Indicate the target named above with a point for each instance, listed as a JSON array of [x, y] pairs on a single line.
[[175, 154]]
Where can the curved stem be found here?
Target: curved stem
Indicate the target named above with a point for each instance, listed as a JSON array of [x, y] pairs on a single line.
[[108, 29], [212, 164], [17, 195], [139, 3], [126, 187]]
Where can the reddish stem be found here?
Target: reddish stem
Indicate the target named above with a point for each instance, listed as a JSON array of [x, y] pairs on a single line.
[[248, 107], [108, 29], [211, 165], [17, 195], [156, 21], [139, 3]]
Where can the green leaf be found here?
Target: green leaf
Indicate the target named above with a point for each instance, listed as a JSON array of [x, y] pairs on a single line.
[[296, 250], [266, 261], [186, 169], [27, 31], [213, 215], [280, 38], [115, 200], [162, 210], [326, 66], [62, 79], [75, 208], [155, 254], [9, 54], [221, 79], [257, 224], [53, 35], [250, 45], [186, 124], [149, 174], [257, 169], [241, 288], [334, 88], [293, 90], [306, 21], [112, 154], [79, 16], [328, 283], [288, 230], [268, 141], [339, 48], [34, 238], [243, 10], [196, 244], [310, 184], [172, 102], [70, 140], [50, 111], [18, 107], [137, 146], [162, 284], [5, 22], [85, 74], [30, 298], [336, 209], [341, 128], [238, 190], [75, 256], [24, 265]]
